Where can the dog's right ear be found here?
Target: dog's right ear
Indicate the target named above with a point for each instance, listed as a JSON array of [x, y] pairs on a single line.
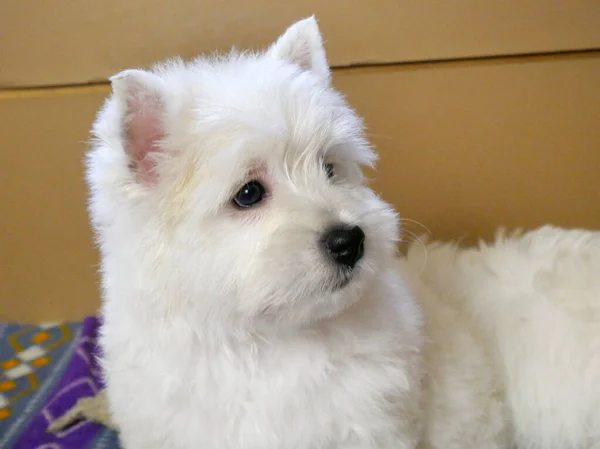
[[141, 98]]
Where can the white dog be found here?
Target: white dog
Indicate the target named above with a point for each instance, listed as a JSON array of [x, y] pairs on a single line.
[[252, 298]]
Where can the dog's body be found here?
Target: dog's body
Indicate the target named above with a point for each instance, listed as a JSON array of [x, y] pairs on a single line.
[[513, 357], [252, 297]]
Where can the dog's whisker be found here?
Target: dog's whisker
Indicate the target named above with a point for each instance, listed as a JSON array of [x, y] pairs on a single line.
[[423, 245], [410, 220]]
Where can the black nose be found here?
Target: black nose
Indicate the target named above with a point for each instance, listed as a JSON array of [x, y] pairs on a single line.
[[345, 245]]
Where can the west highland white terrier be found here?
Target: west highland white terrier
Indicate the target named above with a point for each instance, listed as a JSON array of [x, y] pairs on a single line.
[[252, 296]]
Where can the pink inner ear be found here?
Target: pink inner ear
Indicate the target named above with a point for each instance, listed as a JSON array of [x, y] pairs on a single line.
[[144, 132]]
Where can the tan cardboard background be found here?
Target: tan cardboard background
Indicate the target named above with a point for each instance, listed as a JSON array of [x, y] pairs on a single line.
[[465, 147], [48, 261], [74, 42]]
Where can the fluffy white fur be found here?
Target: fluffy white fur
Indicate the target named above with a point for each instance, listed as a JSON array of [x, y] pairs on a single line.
[[513, 352], [228, 329]]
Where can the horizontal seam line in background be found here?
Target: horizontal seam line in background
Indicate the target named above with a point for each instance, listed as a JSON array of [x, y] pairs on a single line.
[[355, 66], [505, 56]]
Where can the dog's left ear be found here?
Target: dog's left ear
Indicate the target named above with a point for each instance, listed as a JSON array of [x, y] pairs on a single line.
[[302, 44]]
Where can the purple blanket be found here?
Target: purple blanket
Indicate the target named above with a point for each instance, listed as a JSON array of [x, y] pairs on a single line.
[[44, 371]]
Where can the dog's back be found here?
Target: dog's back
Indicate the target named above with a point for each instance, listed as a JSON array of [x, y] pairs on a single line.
[[530, 309]]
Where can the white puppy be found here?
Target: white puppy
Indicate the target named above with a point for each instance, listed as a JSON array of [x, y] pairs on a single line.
[[252, 299], [250, 294]]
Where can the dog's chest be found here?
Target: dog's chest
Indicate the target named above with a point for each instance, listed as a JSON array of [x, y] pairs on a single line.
[[297, 396]]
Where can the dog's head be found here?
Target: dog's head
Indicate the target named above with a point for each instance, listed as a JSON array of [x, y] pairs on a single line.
[[231, 187]]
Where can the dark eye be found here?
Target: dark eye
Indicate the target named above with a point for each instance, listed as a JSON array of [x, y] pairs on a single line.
[[249, 195], [330, 170]]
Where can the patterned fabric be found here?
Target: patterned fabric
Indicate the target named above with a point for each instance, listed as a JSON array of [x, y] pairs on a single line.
[[44, 370]]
